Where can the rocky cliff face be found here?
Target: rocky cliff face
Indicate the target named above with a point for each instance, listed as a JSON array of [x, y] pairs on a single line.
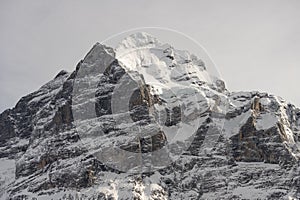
[[146, 121]]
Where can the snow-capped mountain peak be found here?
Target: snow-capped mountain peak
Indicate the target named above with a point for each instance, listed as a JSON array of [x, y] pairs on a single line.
[[147, 121]]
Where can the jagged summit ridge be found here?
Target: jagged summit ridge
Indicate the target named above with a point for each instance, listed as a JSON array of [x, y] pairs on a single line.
[[161, 63], [143, 41], [138, 40]]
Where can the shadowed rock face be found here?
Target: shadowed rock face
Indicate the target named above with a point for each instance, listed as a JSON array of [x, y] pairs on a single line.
[[269, 145], [256, 149], [139, 104], [251, 145]]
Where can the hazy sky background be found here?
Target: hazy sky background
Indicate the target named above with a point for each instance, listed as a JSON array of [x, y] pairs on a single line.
[[255, 43]]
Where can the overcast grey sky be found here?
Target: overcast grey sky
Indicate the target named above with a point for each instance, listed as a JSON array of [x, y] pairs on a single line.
[[255, 43]]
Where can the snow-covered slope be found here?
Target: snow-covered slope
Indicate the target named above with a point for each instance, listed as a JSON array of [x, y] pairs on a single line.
[[147, 121]]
